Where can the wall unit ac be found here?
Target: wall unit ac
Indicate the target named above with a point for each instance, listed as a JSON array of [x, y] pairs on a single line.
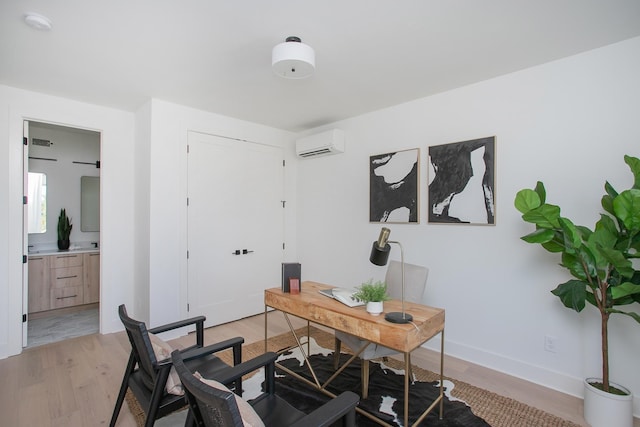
[[321, 144]]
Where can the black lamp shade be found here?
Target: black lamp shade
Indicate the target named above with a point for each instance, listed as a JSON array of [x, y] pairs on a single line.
[[380, 255]]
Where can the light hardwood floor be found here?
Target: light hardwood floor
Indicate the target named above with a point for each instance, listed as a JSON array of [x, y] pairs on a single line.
[[75, 382]]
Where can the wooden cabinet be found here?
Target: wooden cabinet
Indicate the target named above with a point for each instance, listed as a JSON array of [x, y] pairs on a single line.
[[91, 264], [66, 278], [63, 280], [39, 284]]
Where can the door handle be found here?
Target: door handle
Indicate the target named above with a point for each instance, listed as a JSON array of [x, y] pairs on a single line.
[[243, 252]]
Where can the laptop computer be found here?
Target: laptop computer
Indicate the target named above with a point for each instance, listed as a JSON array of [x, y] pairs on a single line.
[[345, 296]]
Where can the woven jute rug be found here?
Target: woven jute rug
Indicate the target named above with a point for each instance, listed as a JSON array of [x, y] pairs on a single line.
[[496, 410]]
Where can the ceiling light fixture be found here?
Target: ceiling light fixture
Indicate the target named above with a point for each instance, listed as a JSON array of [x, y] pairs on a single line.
[[37, 21], [293, 59]]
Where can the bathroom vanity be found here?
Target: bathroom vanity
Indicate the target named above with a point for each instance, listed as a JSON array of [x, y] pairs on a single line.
[[60, 279]]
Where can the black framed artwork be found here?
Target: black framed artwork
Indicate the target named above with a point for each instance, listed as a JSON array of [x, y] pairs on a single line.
[[462, 182], [393, 187]]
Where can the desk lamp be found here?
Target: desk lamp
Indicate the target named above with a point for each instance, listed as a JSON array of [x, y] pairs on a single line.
[[380, 256]]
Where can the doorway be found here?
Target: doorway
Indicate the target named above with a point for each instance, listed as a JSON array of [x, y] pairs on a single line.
[[61, 287]]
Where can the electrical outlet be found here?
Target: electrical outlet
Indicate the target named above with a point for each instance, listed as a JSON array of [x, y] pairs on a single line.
[[550, 344]]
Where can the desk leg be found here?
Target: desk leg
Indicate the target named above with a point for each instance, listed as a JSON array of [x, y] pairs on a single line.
[[305, 355], [407, 370], [308, 337], [440, 399], [442, 374], [265, 329]]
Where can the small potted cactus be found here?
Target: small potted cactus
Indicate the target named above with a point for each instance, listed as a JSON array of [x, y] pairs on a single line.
[[64, 230]]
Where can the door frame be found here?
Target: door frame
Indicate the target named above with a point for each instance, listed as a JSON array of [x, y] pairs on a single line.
[[25, 232], [283, 195]]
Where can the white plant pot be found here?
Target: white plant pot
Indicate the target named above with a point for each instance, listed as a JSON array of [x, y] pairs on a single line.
[[605, 409], [374, 308]]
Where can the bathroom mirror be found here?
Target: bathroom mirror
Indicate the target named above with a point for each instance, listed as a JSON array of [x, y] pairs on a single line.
[[37, 203], [90, 203]]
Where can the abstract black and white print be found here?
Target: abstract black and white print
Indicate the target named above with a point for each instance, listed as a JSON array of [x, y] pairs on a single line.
[[393, 189], [462, 182]]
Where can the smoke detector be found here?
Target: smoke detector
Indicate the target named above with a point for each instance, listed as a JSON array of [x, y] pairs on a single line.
[[37, 21]]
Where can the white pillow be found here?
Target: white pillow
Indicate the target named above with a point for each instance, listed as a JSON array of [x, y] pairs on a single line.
[[248, 414], [163, 351]]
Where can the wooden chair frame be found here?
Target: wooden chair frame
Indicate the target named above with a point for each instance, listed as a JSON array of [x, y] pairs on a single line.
[[147, 377]]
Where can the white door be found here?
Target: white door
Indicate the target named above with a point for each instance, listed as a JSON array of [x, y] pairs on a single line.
[[235, 226]]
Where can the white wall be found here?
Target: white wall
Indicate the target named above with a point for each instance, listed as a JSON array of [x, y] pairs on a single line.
[[170, 124], [140, 309], [117, 245], [63, 178], [567, 123]]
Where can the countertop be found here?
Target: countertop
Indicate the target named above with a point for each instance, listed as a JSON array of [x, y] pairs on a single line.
[[44, 252]]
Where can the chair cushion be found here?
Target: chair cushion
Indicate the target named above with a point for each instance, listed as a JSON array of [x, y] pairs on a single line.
[[249, 416], [163, 351]]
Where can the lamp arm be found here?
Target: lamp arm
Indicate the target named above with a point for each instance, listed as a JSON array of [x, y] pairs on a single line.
[[402, 263]]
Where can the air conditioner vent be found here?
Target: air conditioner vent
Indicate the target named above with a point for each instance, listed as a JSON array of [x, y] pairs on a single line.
[[321, 144], [41, 142], [315, 152]]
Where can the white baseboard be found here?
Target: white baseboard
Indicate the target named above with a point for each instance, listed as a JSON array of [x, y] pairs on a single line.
[[557, 381]]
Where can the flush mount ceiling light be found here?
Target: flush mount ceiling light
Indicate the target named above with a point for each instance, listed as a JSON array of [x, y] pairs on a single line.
[[293, 59], [37, 21]]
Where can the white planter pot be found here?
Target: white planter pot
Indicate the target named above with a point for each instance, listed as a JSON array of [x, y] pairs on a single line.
[[374, 308], [605, 409]]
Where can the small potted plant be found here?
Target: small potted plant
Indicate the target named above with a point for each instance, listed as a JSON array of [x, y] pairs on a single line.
[[64, 230], [374, 294]]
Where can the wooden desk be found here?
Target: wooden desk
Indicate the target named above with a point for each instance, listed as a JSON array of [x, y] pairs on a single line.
[[314, 307]]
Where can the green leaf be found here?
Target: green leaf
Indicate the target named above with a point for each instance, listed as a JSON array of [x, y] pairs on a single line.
[[602, 237], [553, 246], [617, 259], [572, 237], [627, 207], [585, 232], [572, 294], [575, 263], [605, 230], [634, 165], [526, 200], [624, 289], [541, 191], [610, 190], [545, 216], [607, 199], [541, 235], [607, 204], [631, 314]]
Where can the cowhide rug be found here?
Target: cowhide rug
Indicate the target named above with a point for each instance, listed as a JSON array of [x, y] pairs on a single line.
[[386, 391]]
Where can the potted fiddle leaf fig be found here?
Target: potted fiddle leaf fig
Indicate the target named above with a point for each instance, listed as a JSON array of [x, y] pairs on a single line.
[[374, 294], [603, 263], [64, 230]]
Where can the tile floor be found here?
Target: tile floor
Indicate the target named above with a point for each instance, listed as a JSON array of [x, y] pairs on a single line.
[[61, 327]]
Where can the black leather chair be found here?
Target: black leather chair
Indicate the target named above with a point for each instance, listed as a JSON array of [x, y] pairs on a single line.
[[147, 376], [211, 405]]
